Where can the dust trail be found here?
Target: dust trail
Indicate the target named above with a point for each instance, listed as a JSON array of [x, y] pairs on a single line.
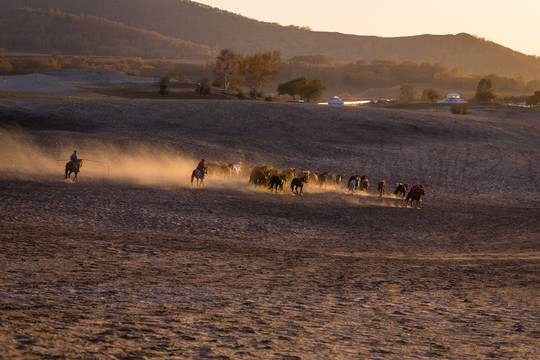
[[23, 157]]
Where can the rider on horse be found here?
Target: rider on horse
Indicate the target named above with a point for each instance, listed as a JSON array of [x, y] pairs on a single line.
[[74, 160], [417, 188], [202, 166]]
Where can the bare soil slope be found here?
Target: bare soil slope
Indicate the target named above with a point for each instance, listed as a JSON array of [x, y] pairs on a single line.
[[133, 262]]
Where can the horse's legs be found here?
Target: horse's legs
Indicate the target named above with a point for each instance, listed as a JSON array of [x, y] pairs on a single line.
[[407, 200]]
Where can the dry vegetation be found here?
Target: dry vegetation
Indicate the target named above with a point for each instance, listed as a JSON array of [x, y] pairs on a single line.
[[133, 262]]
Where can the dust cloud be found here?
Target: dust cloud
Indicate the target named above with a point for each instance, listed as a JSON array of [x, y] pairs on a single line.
[[22, 156]]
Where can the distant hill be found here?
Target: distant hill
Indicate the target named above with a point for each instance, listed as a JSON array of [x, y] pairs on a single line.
[[201, 24], [28, 30]]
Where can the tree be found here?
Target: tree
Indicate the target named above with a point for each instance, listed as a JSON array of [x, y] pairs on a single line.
[[312, 90], [258, 70], [406, 94], [484, 91], [431, 95], [292, 87], [534, 100], [225, 68]]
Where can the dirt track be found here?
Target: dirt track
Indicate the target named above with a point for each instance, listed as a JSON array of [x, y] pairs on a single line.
[[141, 265]]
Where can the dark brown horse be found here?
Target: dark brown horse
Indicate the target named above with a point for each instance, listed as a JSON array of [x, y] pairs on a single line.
[[260, 175], [73, 168], [382, 187], [415, 196], [277, 182], [364, 184], [298, 183]]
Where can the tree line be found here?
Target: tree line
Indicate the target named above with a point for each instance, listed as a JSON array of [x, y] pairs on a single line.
[[387, 73], [136, 66]]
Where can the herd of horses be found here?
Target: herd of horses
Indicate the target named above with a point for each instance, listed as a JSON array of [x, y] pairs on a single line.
[[275, 180]]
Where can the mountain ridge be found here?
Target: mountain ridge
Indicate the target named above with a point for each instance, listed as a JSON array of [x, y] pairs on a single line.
[[215, 28]]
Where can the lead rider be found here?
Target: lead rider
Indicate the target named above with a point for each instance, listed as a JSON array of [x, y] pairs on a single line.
[[74, 160]]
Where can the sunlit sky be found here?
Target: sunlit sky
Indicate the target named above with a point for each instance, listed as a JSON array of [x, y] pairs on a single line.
[[511, 23]]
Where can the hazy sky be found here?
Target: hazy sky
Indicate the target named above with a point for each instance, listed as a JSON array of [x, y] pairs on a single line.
[[514, 24]]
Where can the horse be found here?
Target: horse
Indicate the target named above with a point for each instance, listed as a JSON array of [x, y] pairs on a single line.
[[259, 176], [401, 189], [73, 168], [237, 169], [415, 196], [336, 179], [323, 179], [364, 184], [298, 183], [353, 184], [219, 169], [199, 175], [382, 187], [288, 175], [276, 181]]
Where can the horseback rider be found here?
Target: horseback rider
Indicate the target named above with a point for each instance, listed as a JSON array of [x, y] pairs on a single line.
[[416, 188], [74, 160], [202, 166]]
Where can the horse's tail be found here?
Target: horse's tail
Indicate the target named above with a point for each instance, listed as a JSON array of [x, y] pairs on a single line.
[[66, 174], [192, 176]]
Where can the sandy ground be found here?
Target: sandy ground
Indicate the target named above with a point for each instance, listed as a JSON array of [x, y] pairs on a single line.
[[133, 262]]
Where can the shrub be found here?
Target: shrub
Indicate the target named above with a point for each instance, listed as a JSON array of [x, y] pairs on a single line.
[[459, 109], [534, 100]]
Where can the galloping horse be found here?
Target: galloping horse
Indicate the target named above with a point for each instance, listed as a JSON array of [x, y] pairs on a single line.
[[298, 183], [381, 187], [401, 189], [353, 184], [73, 168], [415, 196], [277, 182], [199, 175], [364, 184]]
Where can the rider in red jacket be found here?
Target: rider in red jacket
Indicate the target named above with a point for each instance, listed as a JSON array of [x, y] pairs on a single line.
[[201, 165], [416, 188]]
